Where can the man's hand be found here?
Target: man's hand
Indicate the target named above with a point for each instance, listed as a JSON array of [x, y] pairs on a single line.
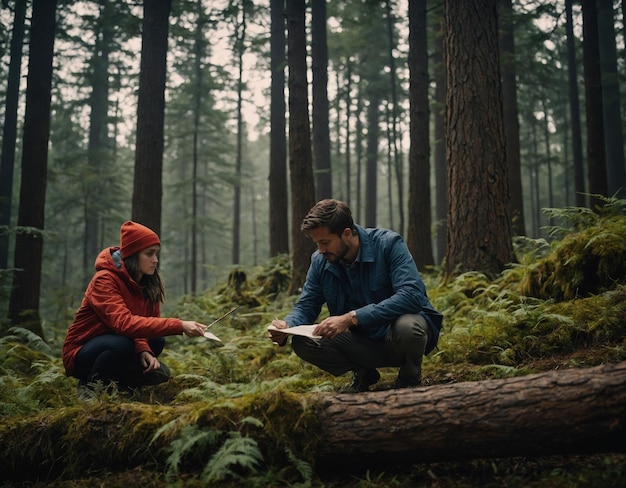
[[333, 326], [279, 337], [193, 329], [149, 362]]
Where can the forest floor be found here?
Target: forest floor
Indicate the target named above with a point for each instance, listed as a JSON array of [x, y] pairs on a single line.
[[532, 318]]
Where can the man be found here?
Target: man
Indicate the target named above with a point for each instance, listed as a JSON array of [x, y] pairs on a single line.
[[380, 314]]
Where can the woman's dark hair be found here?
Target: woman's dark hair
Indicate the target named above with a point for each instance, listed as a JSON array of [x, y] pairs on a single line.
[[152, 284], [331, 213]]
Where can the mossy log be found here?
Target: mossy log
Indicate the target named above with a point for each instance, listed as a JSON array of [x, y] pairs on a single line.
[[570, 411], [560, 412]]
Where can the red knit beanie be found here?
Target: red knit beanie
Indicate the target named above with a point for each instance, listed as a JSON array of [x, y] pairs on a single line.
[[135, 237]]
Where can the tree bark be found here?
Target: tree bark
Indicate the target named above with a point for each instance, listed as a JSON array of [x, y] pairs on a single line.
[[240, 47], [574, 107], [418, 232], [573, 411], [611, 101], [479, 228], [321, 135], [371, 161], [9, 130], [98, 154], [148, 183], [397, 158], [300, 153], [596, 152], [511, 121], [279, 232], [24, 301], [439, 150]]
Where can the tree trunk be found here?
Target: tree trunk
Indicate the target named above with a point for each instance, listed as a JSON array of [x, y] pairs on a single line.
[[397, 159], [279, 232], [547, 141], [240, 39], [98, 154], [200, 89], [575, 411], [441, 188], [300, 156], [358, 142], [9, 130], [371, 162], [321, 135], [611, 101], [418, 232], [348, 129], [24, 301], [572, 78], [559, 412], [511, 121], [479, 228], [148, 184], [596, 153]]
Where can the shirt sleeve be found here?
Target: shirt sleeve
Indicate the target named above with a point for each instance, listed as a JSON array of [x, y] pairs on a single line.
[[309, 305], [108, 303], [406, 293]]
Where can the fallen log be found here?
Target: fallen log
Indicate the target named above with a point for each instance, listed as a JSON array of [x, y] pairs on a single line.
[[574, 411]]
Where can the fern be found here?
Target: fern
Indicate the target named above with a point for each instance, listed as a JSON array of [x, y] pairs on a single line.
[[237, 454], [32, 340], [304, 468], [191, 440]]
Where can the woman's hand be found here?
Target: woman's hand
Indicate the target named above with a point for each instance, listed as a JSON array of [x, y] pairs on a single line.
[[279, 338], [193, 328], [149, 362]]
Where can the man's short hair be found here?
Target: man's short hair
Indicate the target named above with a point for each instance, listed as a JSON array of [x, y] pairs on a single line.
[[331, 213]]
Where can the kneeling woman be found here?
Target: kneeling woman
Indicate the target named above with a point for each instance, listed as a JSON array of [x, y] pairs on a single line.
[[117, 333]]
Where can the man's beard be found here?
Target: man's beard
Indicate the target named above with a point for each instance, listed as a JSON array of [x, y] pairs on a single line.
[[336, 257]]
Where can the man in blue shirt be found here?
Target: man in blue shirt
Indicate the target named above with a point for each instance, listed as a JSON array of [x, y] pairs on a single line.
[[380, 314]]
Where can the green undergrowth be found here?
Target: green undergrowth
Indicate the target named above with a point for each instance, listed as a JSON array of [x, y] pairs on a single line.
[[243, 412]]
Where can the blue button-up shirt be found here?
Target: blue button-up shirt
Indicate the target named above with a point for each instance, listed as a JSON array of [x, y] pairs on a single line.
[[382, 284]]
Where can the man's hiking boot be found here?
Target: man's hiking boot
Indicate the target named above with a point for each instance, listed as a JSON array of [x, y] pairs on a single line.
[[363, 380], [402, 382]]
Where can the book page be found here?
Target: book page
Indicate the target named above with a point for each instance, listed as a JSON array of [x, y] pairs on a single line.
[[302, 330], [213, 337]]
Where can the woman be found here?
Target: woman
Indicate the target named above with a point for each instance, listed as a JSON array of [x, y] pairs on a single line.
[[117, 333]]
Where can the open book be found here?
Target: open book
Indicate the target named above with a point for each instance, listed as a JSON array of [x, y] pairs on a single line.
[[301, 330]]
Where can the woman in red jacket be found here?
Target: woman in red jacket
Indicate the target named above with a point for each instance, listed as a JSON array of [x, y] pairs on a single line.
[[117, 333]]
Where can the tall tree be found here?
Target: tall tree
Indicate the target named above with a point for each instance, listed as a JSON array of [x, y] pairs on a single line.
[[441, 188], [418, 233], [596, 155], [279, 231], [240, 47], [574, 106], [321, 132], [479, 228], [24, 302], [397, 159], [300, 153], [371, 158], [97, 153], [198, 91], [511, 121], [9, 129], [611, 101], [148, 183]]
